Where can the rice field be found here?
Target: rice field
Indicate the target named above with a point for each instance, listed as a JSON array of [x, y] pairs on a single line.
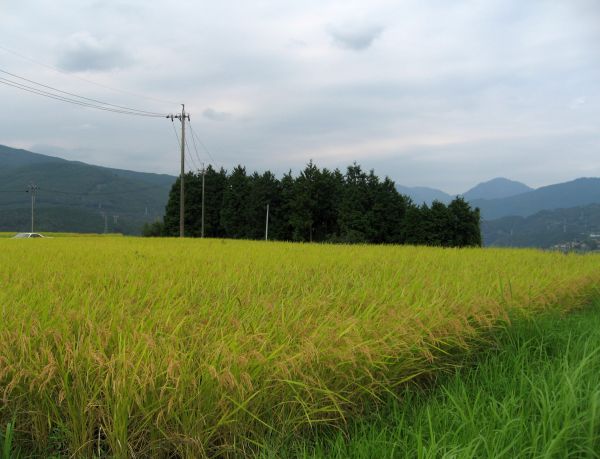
[[187, 348], [533, 394]]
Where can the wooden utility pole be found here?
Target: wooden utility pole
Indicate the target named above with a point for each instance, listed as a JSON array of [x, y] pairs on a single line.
[[267, 225], [105, 222], [181, 117], [202, 230], [32, 189]]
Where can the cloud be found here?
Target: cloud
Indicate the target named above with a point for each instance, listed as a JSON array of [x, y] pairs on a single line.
[[214, 115], [426, 93], [84, 52], [576, 103], [357, 38]]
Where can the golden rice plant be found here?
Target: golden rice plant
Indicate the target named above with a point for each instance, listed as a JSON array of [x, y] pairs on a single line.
[[187, 348]]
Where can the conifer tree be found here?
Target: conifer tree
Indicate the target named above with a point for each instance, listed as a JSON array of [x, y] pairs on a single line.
[[263, 189], [214, 189], [303, 205], [354, 214], [317, 205], [465, 224], [280, 227], [235, 201]]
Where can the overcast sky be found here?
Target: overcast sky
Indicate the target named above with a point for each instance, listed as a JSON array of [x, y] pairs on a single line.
[[436, 93]]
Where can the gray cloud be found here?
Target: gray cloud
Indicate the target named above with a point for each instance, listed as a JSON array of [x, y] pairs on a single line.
[[425, 93], [355, 37], [214, 115], [83, 52]]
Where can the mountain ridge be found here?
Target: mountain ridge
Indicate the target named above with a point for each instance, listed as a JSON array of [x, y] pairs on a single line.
[[499, 187], [579, 192], [496, 188], [69, 188], [423, 194]]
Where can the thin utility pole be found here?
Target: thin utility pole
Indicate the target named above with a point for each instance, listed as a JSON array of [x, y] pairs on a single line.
[[32, 189], [267, 225], [181, 117], [105, 222], [202, 228]]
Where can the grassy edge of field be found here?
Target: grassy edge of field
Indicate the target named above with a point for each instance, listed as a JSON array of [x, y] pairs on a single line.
[[533, 393]]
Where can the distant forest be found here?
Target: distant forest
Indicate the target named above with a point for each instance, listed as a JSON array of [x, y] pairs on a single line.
[[318, 205]]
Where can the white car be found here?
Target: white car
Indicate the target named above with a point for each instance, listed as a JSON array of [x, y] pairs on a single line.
[[27, 235]]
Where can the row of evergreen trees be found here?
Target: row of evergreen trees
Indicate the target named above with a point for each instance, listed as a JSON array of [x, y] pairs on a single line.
[[318, 205]]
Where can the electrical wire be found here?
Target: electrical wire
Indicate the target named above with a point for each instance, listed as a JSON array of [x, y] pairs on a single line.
[[56, 69], [195, 147], [189, 155], [201, 143], [68, 100], [176, 135], [82, 97], [190, 160], [71, 101]]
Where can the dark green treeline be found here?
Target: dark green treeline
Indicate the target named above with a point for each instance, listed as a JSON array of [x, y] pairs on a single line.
[[317, 205]]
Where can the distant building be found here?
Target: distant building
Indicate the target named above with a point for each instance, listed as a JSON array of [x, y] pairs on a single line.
[[571, 246]]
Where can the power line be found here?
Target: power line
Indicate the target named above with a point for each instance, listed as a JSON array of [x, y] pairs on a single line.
[[176, 135], [50, 95], [56, 69], [191, 160], [179, 142], [81, 97], [40, 92], [196, 148], [188, 154], [201, 143]]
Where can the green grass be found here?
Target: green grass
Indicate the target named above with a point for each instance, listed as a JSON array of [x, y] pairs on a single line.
[[537, 394], [6, 438]]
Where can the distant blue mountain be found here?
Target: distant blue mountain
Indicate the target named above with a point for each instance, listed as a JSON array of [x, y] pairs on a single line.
[[493, 189], [501, 197], [497, 188], [422, 194], [579, 192]]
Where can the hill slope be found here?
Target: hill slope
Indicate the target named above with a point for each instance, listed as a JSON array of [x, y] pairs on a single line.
[[545, 229], [75, 196]]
